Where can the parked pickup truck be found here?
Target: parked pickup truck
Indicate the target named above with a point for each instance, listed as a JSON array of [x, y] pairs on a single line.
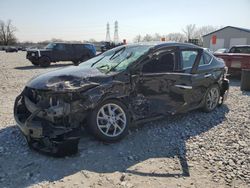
[[237, 58]]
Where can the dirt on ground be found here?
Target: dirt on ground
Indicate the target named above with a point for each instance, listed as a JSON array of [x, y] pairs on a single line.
[[195, 149]]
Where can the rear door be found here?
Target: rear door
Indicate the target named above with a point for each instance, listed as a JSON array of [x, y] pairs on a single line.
[[60, 52]]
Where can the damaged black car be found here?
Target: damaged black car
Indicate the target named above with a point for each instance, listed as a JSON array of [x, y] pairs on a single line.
[[105, 94]]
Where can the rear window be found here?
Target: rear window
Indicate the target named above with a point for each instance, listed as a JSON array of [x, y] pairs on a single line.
[[188, 58], [243, 49], [205, 59]]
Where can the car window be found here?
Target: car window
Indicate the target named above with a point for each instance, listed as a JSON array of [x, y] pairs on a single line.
[[205, 59], [60, 47], [188, 58], [243, 49], [164, 62]]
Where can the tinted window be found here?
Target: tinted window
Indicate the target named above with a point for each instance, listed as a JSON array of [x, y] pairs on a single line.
[[163, 63], [60, 47], [242, 49], [188, 58]]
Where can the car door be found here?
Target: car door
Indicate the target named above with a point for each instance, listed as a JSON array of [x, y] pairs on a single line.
[[201, 71], [165, 83], [59, 52]]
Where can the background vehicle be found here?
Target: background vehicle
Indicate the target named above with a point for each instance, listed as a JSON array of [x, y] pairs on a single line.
[[55, 52], [109, 45], [11, 49], [221, 50], [209, 50], [128, 83], [237, 58]]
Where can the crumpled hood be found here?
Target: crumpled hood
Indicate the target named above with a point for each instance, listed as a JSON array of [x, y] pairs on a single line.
[[70, 78]]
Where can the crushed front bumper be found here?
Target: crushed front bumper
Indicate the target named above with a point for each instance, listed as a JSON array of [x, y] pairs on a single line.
[[41, 134]]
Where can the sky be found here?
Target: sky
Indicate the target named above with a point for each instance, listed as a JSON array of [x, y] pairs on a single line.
[[38, 20]]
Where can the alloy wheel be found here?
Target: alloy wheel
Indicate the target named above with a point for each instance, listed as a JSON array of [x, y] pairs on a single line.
[[111, 120], [213, 98]]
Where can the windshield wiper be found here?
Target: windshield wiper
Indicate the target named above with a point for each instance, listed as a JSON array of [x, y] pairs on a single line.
[[97, 61], [121, 49]]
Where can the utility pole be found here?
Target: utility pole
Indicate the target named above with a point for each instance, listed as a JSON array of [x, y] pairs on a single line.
[[116, 36], [107, 33]]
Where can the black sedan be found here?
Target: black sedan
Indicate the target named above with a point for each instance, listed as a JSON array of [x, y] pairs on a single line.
[[106, 93]]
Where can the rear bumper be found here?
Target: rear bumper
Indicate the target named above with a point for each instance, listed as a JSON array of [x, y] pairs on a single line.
[[41, 135], [224, 90]]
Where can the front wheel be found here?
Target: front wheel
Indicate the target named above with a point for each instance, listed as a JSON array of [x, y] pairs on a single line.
[[211, 98], [36, 63], [110, 121]]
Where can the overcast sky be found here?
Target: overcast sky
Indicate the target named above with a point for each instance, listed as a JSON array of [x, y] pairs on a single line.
[[38, 20]]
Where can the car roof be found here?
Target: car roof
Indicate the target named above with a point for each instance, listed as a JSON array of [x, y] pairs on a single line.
[[71, 43], [165, 44]]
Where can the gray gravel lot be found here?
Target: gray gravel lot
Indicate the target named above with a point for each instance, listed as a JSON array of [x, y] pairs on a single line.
[[188, 150]]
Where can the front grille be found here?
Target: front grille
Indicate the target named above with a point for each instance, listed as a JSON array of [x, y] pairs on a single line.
[[32, 94]]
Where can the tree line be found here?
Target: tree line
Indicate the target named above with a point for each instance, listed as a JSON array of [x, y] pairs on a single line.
[[190, 31]]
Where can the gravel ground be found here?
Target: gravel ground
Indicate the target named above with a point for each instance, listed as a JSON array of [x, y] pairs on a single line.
[[189, 150]]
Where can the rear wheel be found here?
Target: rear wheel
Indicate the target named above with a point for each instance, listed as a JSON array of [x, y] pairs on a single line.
[[211, 99], [109, 121], [44, 61], [36, 63]]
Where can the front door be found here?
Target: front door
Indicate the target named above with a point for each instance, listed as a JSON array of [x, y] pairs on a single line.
[[165, 83]]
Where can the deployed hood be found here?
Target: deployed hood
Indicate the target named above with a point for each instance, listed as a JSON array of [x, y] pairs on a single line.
[[70, 78]]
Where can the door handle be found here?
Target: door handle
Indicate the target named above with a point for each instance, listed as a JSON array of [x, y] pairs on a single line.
[[183, 86], [207, 75]]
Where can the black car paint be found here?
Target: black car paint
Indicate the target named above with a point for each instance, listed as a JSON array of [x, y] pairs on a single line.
[[146, 95]]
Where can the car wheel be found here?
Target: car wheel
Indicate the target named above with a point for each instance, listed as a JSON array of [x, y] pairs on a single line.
[[211, 99], [36, 63], [84, 58], [76, 62], [44, 61], [110, 121]]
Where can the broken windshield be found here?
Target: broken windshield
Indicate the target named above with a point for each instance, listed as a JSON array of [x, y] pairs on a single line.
[[117, 59]]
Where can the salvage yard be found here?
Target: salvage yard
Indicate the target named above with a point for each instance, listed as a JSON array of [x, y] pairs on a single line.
[[188, 150]]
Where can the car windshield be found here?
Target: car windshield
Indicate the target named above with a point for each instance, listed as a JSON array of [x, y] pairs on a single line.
[[117, 59], [50, 46]]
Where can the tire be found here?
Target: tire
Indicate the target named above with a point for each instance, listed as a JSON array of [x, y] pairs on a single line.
[[211, 98], [76, 62], [110, 121], [44, 61], [36, 63], [84, 58]]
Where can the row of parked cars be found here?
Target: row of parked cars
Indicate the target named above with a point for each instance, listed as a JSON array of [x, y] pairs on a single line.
[[12, 49]]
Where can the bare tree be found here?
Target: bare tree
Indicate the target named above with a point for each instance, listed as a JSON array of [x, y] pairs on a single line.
[[189, 31], [157, 37], [7, 33], [203, 31], [138, 38], [92, 40], [177, 37], [147, 38]]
